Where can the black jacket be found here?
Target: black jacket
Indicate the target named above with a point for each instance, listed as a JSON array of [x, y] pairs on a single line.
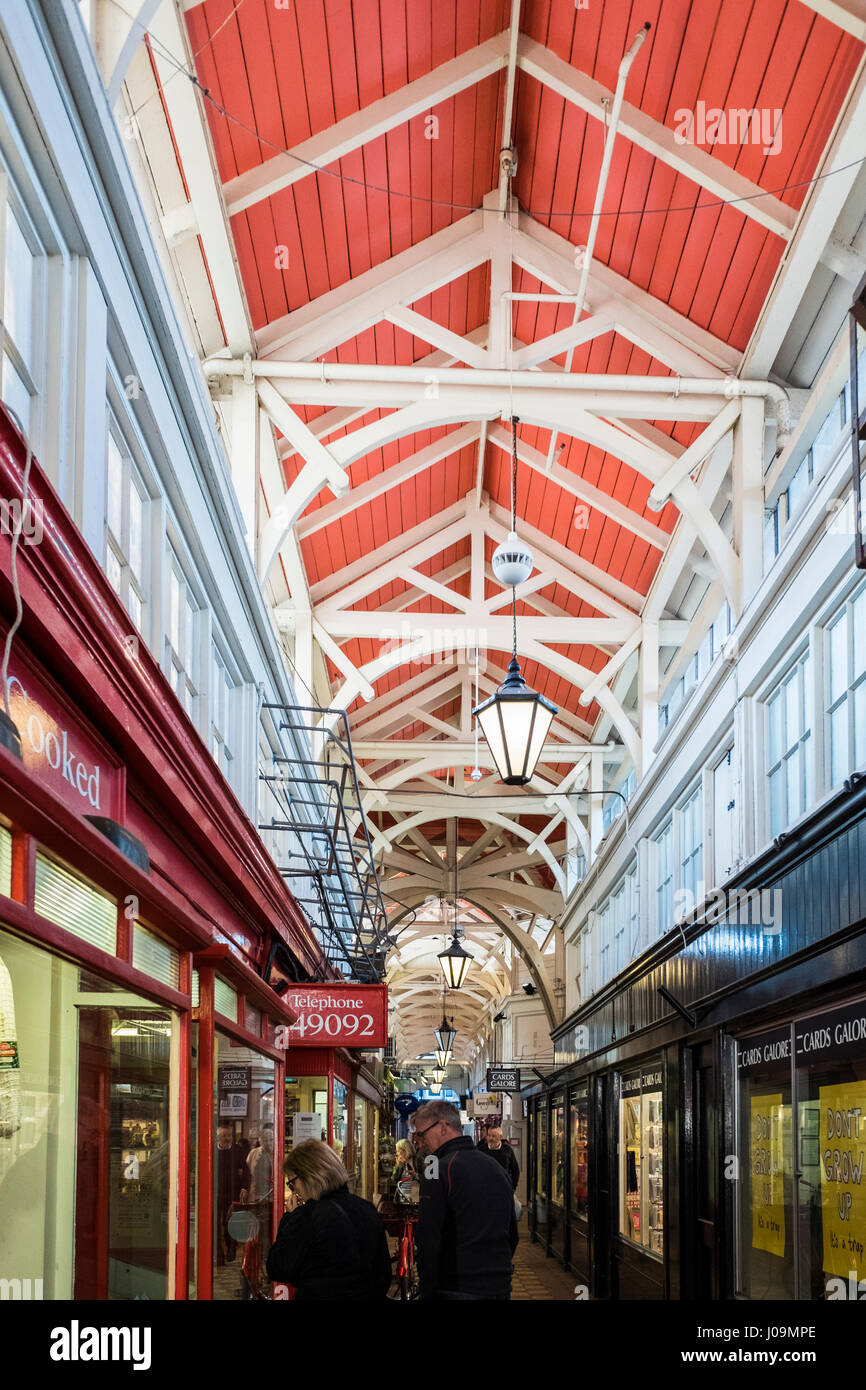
[[334, 1248], [467, 1232], [504, 1156]]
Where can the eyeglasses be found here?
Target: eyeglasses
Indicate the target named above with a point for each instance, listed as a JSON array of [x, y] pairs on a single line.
[[417, 1134], [290, 1183]]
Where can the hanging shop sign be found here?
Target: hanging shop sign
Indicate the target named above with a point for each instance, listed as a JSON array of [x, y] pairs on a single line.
[[766, 1166], [55, 749], [580, 1091], [234, 1078], [336, 1015], [503, 1078]]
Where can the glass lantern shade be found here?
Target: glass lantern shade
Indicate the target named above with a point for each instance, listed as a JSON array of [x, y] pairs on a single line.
[[443, 1056], [455, 963], [515, 722], [445, 1035]]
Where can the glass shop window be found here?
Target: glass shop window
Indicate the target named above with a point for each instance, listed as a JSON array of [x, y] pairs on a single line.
[[558, 1154], [830, 1052], [341, 1126], [541, 1150], [641, 1135], [88, 1133], [766, 1186], [580, 1153], [244, 1169]]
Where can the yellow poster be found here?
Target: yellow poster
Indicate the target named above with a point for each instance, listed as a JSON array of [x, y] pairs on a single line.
[[768, 1188], [843, 1169]]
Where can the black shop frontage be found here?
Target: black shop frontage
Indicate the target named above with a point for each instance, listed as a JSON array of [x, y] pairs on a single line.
[[709, 1142]]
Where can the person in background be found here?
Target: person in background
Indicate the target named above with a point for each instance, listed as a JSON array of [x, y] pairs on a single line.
[[405, 1164], [330, 1243], [467, 1231], [503, 1154]]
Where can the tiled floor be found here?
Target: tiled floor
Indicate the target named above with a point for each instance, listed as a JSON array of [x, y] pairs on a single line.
[[538, 1278]]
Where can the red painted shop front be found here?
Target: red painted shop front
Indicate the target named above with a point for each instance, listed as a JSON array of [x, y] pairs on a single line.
[[141, 1085]]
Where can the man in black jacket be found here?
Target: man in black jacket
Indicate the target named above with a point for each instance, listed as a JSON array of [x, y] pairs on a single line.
[[467, 1232], [501, 1153]]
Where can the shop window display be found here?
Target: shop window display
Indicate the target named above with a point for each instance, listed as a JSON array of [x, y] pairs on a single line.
[[802, 1223], [244, 1162], [641, 1161], [580, 1152], [541, 1132], [765, 1189], [87, 1132], [557, 1195], [340, 1121]]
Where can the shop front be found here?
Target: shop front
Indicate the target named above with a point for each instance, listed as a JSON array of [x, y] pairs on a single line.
[[330, 1094], [727, 1162], [141, 1085], [801, 1127]]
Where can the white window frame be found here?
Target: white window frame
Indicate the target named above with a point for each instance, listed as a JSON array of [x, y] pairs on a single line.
[[803, 746], [185, 667], [843, 613], [666, 885], [227, 740], [33, 374], [133, 480], [684, 861]]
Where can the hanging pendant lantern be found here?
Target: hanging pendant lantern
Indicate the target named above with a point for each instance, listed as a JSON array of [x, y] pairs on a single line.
[[515, 720], [455, 963], [443, 1056], [445, 1034]]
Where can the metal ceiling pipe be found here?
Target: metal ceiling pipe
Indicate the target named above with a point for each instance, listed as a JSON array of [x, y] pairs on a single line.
[[507, 159], [616, 110]]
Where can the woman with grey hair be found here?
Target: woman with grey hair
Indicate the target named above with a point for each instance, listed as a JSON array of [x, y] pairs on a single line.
[[330, 1243]]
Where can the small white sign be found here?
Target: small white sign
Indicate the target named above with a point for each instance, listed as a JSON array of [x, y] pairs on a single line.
[[486, 1103], [306, 1126]]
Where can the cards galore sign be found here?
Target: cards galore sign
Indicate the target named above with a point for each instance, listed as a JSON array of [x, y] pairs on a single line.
[[336, 1015]]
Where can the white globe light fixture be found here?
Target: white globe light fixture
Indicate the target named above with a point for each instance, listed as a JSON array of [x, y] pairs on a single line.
[[516, 720]]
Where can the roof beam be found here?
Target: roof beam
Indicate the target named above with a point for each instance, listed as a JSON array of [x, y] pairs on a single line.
[[550, 257], [190, 132], [572, 482], [380, 483], [343, 313], [372, 121], [657, 139], [849, 15], [821, 209]]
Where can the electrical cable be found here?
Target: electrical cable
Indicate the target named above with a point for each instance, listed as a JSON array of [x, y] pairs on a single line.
[[13, 565], [573, 213]]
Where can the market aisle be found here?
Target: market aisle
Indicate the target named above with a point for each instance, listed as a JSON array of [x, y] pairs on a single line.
[[536, 1277]]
